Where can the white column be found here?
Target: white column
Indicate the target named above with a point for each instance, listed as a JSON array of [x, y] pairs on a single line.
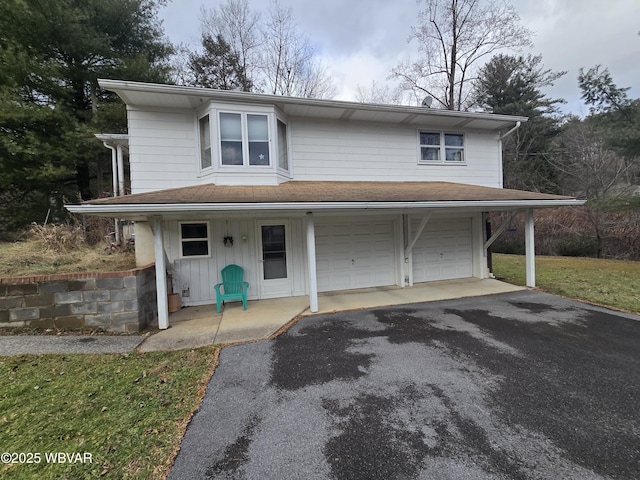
[[311, 258], [529, 242], [161, 274]]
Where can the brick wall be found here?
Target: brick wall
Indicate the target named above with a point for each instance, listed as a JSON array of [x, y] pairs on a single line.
[[113, 301]]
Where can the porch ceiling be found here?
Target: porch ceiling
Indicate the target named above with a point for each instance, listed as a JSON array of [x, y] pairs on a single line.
[[319, 196]]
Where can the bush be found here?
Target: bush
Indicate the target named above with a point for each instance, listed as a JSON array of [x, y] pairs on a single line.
[[508, 246], [56, 238], [577, 246]]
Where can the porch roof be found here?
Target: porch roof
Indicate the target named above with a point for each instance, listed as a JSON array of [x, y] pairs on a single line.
[[319, 196]]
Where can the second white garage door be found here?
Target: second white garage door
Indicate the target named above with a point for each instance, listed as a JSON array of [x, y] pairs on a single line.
[[354, 255], [443, 251]]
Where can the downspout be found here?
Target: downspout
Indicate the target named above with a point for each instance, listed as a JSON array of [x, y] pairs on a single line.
[[511, 131], [114, 170], [120, 169]]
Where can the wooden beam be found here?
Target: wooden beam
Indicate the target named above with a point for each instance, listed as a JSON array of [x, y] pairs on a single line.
[[413, 241], [500, 230]]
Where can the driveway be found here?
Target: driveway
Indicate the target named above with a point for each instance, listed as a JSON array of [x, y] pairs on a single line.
[[522, 385]]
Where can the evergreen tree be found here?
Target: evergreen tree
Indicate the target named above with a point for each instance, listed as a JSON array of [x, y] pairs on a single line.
[[51, 56], [512, 85], [218, 66]]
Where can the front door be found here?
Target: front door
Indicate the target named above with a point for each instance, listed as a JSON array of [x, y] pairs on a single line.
[[275, 279]]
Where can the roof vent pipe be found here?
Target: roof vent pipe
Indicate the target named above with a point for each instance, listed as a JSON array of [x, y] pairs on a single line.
[[511, 131]]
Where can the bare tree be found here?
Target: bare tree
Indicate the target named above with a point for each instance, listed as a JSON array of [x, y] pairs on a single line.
[[591, 170], [234, 21], [275, 56], [452, 36], [377, 93], [289, 62]]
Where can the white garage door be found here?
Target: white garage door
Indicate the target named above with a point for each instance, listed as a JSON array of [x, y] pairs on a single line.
[[443, 251], [354, 255]]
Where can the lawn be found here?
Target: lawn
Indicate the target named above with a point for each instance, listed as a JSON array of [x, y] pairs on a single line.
[[125, 413], [613, 283]]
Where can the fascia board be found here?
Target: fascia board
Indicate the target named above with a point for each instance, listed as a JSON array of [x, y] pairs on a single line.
[[160, 209]]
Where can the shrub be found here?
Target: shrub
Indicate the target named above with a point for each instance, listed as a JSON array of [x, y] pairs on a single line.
[[56, 238], [577, 246]]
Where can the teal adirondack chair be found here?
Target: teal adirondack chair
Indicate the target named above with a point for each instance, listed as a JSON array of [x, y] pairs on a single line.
[[232, 286]]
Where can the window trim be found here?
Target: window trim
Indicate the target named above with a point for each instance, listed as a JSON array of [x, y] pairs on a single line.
[[443, 147], [182, 240]]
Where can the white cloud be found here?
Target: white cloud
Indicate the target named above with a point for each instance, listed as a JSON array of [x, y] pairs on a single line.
[[362, 40]]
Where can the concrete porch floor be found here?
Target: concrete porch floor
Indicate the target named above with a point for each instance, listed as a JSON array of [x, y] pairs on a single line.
[[193, 327]]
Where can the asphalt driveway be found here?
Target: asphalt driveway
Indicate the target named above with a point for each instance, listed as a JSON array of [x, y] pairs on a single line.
[[514, 386]]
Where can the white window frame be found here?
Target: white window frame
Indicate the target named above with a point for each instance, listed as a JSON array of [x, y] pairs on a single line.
[[277, 146], [245, 140], [200, 239], [443, 148], [201, 147]]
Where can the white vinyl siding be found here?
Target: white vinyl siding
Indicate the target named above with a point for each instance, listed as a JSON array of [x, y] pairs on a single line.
[[162, 150], [342, 151], [354, 255], [444, 250], [199, 275]]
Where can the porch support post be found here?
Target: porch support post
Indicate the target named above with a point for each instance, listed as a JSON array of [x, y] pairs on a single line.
[[311, 258], [161, 274], [529, 242]]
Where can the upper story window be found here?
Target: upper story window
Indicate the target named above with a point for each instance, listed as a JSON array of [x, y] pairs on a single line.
[[205, 142], [242, 146], [244, 139], [440, 147], [283, 157]]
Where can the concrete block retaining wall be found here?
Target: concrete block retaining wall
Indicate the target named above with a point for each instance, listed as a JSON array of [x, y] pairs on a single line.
[[113, 301]]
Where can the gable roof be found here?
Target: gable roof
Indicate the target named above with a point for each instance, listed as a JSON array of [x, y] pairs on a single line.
[[151, 95], [319, 196]]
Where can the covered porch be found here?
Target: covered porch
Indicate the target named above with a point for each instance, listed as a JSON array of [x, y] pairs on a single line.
[[193, 327]]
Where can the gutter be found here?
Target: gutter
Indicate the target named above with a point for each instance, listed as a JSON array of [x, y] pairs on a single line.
[[155, 209]]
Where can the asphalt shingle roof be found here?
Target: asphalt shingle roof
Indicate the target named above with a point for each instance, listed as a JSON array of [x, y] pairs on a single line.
[[295, 192]]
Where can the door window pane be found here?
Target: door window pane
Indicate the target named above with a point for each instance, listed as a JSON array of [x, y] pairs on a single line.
[[274, 252]]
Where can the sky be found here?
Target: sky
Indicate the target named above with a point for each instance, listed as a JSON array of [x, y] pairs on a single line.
[[362, 40]]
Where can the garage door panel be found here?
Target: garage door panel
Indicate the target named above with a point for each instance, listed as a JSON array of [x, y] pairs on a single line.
[[354, 255], [443, 251]]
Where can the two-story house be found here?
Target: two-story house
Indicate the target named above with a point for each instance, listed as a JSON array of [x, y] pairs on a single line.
[[308, 195]]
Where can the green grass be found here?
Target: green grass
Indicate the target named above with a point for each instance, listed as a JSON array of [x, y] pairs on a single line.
[[128, 411], [613, 283]]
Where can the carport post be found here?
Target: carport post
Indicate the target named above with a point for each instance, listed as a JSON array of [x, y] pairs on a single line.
[[529, 243], [311, 257], [161, 276]]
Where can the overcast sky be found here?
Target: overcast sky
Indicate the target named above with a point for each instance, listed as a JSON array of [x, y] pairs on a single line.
[[362, 40]]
